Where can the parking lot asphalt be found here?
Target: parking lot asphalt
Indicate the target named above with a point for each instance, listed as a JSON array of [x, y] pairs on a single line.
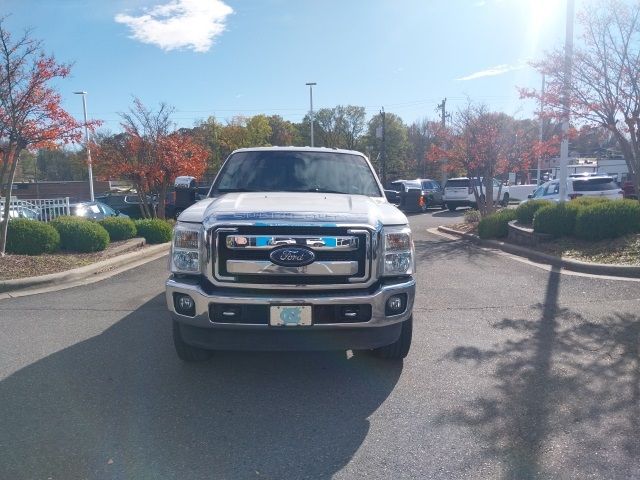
[[515, 372]]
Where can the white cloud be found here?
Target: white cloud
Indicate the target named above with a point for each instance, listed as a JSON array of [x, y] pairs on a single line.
[[492, 72], [178, 24]]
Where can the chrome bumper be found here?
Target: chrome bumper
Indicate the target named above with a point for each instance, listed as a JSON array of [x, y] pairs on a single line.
[[377, 300]]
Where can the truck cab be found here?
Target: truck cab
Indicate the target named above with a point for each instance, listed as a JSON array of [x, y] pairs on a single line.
[[295, 248]]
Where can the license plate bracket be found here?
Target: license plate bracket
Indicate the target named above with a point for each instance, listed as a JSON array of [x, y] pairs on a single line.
[[290, 316]]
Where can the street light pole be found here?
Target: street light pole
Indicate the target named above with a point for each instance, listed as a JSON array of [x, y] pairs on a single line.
[[86, 141], [566, 101], [311, 84], [540, 132]]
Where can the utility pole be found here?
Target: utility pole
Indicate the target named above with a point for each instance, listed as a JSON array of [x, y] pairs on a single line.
[[311, 84], [566, 101], [86, 141], [384, 148], [442, 107], [540, 131]]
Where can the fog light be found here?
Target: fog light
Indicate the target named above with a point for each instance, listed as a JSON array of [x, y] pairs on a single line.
[[184, 304], [396, 304]]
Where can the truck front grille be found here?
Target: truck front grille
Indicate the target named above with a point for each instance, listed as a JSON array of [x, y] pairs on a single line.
[[241, 255]]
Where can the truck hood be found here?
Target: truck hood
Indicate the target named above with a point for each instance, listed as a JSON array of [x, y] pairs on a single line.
[[277, 208]]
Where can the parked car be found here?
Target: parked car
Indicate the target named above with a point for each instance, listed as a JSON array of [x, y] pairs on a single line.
[[20, 211], [95, 211], [458, 192], [129, 204], [432, 192], [591, 186], [409, 193]]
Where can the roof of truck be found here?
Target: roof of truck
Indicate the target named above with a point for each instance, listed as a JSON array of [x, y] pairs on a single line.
[[300, 149]]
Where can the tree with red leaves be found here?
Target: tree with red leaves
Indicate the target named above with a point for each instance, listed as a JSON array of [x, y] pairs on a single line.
[[30, 113], [150, 154], [605, 87], [479, 143]]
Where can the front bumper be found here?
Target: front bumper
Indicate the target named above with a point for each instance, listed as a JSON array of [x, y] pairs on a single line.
[[200, 331]]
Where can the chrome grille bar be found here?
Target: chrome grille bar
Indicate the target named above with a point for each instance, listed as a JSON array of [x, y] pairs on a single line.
[[259, 267], [268, 242]]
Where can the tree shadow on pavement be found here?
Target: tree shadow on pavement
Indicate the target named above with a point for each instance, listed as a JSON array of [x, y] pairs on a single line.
[[434, 249], [121, 405], [566, 395]]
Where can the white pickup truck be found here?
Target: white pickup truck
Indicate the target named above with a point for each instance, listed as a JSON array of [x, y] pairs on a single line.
[[293, 249]]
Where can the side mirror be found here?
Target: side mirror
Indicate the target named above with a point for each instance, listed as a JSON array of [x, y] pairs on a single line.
[[530, 195]]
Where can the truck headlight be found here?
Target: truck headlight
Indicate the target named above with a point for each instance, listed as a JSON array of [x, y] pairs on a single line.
[[186, 249], [398, 257]]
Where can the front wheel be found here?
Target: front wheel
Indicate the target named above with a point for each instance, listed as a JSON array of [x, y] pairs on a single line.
[[452, 208], [185, 351], [400, 348], [505, 200]]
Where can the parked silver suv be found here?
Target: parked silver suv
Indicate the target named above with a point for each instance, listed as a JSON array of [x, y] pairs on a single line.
[[295, 249]]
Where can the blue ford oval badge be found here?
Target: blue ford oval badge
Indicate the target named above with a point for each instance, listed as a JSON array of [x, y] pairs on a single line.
[[292, 256]]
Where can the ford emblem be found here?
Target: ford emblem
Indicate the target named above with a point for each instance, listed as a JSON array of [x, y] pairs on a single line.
[[292, 256]]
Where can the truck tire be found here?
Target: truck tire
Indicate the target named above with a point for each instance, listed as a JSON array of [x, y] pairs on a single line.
[[400, 348], [452, 208], [185, 351]]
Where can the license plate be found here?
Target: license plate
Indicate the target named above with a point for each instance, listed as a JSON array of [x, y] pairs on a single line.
[[290, 315]]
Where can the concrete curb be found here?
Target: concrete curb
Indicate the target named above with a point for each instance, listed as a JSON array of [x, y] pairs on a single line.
[[627, 271], [70, 276]]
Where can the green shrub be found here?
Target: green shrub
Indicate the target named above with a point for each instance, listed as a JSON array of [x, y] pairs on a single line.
[[29, 237], [154, 230], [526, 211], [557, 219], [80, 235], [119, 228], [496, 224], [585, 201], [608, 219]]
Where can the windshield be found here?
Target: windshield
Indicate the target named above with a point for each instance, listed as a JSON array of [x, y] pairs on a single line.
[[296, 171], [457, 183], [595, 185]]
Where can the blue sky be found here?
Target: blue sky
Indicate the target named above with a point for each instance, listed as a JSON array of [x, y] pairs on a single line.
[[242, 57]]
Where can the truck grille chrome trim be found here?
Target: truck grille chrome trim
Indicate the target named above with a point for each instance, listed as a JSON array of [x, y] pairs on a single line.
[[352, 266], [268, 242], [265, 267]]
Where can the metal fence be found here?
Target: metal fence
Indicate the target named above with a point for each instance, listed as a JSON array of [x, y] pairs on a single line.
[[44, 209]]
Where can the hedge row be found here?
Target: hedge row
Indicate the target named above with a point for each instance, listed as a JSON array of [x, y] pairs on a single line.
[[496, 225], [26, 237], [81, 235], [526, 211], [589, 218], [119, 228], [154, 230], [75, 234]]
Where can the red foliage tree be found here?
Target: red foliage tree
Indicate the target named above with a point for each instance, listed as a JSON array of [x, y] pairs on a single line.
[[150, 155], [30, 113], [477, 144], [605, 81]]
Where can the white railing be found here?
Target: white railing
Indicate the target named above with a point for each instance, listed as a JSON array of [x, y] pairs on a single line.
[[44, 209]]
